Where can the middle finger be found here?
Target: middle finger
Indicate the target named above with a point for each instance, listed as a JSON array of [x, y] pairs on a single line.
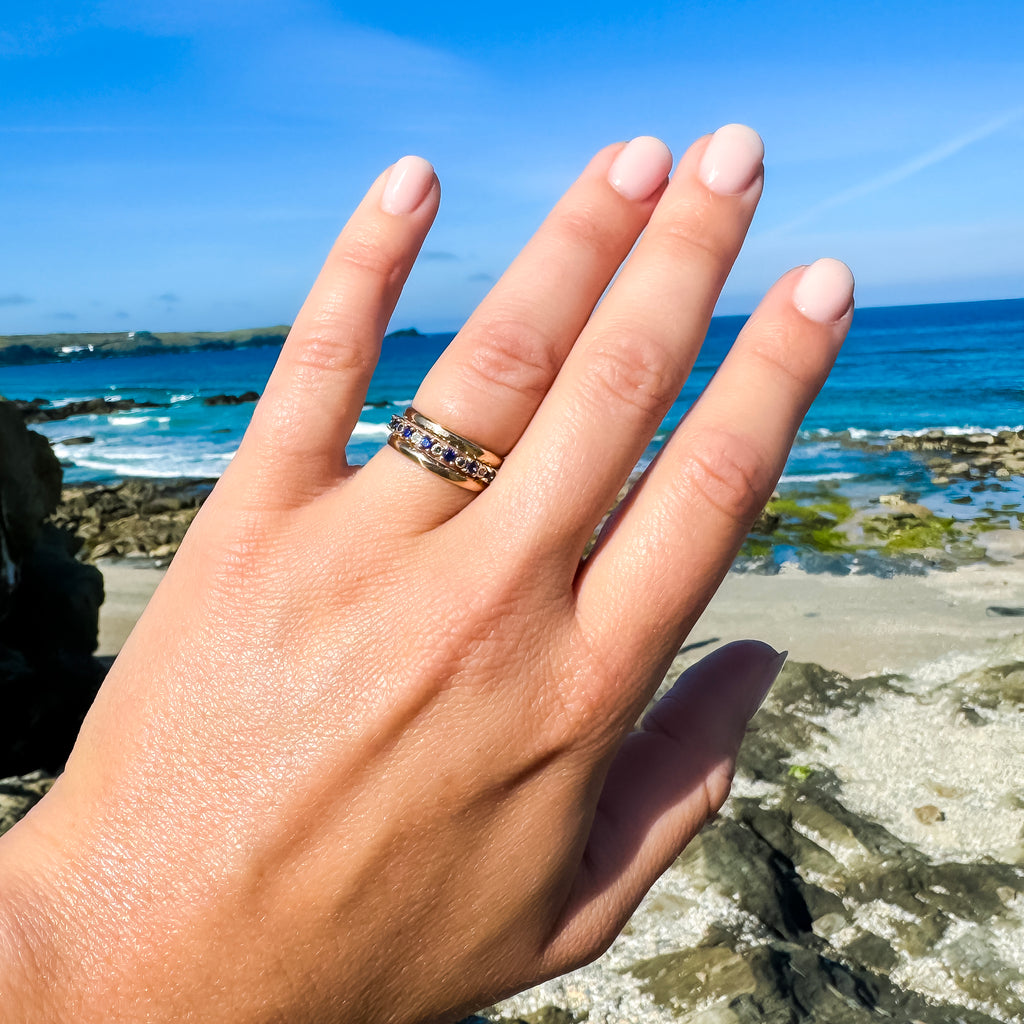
[[632, 359]]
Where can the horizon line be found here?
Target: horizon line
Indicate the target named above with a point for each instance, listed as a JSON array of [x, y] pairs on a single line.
[[410, 328]]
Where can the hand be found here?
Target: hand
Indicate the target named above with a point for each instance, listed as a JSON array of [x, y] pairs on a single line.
[[365, 756]]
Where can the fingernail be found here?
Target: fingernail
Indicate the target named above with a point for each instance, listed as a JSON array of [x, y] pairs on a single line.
[[732, 161], [771, 672], [408, 185], [639, 170], [825, 291]]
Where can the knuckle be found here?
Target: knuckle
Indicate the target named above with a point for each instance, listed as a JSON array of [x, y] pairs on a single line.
[[725, 471], [365, 250], [777, 349], [639, 372], [691, 233], [509, 354], [585, 229], [330, 344]]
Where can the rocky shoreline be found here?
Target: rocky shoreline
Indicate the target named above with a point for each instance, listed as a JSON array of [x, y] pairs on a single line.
[[895, 532], [134, 519], [799, 903], [955, 456], [818, 525]]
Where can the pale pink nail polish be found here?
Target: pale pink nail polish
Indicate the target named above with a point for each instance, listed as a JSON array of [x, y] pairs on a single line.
[[640, 168], [408, 185], [825, 291], [732, 161]]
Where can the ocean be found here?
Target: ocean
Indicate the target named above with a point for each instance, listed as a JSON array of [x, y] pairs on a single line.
[[904, 369]]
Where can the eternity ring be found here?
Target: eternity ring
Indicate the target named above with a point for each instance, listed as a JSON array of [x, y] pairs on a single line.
[[442, 451]]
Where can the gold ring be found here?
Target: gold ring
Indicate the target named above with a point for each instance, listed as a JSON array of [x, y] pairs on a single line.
[[442, 451]]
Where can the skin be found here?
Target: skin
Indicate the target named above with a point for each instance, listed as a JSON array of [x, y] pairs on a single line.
[[368, 753]]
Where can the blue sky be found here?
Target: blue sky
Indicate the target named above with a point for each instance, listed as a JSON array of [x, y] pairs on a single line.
[[186, 165]]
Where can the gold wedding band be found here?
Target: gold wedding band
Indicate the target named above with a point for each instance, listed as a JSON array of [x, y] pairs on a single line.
[[442, 451]]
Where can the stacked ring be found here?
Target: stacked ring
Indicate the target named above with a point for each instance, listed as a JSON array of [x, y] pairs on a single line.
[[442, 451]]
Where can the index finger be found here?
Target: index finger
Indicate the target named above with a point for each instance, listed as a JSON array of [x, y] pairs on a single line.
[[314, 397]]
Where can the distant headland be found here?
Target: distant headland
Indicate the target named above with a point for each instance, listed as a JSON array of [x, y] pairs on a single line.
[[19, 349]]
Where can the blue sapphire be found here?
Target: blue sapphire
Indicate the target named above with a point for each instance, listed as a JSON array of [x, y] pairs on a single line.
[[473, 467], [449, 455], [407, 432], [426, 443]]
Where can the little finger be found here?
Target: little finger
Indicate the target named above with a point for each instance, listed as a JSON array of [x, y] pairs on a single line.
[[683, 523]]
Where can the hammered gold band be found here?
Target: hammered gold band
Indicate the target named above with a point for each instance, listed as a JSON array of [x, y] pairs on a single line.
[[442, 451]]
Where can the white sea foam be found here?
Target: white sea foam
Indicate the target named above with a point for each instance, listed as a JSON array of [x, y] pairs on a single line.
[[135, 419], [370, 430], [811, 478], [101, 457], [181, 398], [862, 433], [812, 448], [150, 464]]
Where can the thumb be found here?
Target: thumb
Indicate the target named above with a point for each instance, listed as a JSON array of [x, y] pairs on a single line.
[[665, 781]]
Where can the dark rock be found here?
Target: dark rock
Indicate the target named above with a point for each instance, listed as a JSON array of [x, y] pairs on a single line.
[[137, 517], [83, 439], [248, 396], [990, 688], [37, 411], [959, 456], [49, 609], [784, 983]]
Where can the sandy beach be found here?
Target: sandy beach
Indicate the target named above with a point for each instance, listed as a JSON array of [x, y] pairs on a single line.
[[858, 625]]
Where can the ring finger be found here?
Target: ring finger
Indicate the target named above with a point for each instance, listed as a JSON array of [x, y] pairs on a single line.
[[488, 383]]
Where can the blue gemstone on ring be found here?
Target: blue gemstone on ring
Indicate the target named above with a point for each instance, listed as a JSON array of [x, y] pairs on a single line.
[[473, 467], [449, 455], [426, 443], [407, 432]]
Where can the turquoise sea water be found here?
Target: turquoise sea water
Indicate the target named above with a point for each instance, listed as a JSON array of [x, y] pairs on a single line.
[[955, 366]]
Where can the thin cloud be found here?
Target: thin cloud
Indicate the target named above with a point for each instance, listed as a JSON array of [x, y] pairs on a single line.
[[65, 316], [168, 297], [901, 172], [56, 129], [481, 276], [14, 299]]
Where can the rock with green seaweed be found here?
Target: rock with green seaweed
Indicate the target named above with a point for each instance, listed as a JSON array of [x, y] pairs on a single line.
[[825, 530], [809, 520]]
